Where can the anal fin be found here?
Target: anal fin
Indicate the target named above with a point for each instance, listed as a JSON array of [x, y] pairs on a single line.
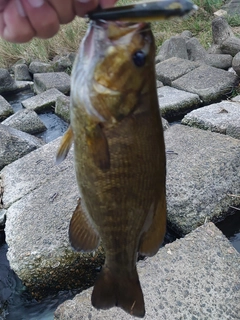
[[65, 145], [82, 235], [153, 237]]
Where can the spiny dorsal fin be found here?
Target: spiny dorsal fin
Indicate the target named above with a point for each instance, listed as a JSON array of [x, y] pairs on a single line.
[[82, 235], [65, 145]]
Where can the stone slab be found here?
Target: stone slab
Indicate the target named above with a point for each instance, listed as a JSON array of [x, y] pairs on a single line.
[[173, 68], [15, 144], [38, 205], [5, 109], [42, 101], [211, 84], [173, 47], [175, 103], [62, 108], [223, 117], [194, 278], [25, 120], [45, 81], [202, 172], [232, 7]]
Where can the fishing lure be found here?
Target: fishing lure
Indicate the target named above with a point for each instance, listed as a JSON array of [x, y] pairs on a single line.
[[147, 11]]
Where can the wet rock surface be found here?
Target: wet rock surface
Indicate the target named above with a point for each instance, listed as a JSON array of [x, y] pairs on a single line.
[[196, 277]]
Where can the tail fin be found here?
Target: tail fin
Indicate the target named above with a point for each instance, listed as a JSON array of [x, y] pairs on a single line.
[[112, 289]]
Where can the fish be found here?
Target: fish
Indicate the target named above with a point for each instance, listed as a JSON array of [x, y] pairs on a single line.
[[119, 156], [146, 11]]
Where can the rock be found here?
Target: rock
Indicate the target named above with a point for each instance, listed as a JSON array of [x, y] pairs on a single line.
[[21, 72], [231, 46], [62, 64], [7, 84], [62, 108], [39, 205], [220, 117], [24, 85], [165, 124], [14, 144], [26, 121], [201, 173], [211, 84], [186, 34], [224, 40], [197, 53], [196, 277], [173, 68], [222, 61], [232, 7], [2, 217], [236, 63], [43, 101], [5, 109], [221, 30], [40, 67], [195, 50], [159, 84], [45, 81], [220, 13], [173, 47], [236, 98], [176, 103], [72, 56]]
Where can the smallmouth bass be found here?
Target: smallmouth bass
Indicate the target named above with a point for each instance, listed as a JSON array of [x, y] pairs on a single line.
[[119, 157]]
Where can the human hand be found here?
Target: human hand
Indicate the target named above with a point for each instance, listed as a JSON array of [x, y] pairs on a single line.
[[21, 20]]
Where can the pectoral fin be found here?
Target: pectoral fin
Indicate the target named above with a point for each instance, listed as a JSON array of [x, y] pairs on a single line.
[[153, 237], [82, 235], [98, 147], [65, 145]]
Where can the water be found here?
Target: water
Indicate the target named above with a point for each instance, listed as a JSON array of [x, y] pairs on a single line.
[[19, 304], [55, 126], [230, 226]]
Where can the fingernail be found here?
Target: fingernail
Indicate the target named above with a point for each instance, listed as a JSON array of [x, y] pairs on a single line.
[[20, 8], [36, 3]]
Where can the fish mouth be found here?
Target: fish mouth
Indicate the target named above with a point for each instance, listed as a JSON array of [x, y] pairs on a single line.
[[102, 33]]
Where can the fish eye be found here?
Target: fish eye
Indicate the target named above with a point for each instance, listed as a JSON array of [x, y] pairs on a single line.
[[139, 58]]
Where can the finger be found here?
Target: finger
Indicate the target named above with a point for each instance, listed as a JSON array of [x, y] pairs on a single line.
[[43, 18], [82, 7], [3, 4], [13, 26], [64, 10], [107, 3]]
